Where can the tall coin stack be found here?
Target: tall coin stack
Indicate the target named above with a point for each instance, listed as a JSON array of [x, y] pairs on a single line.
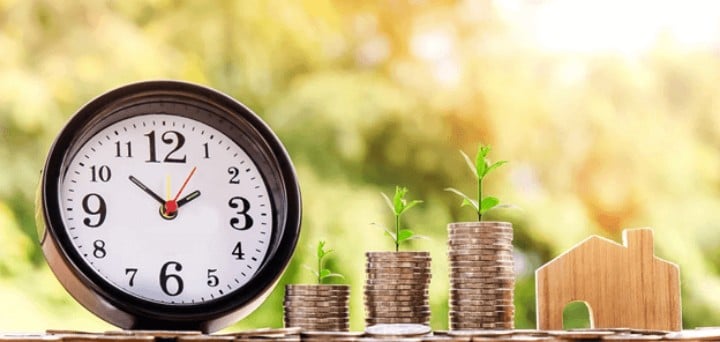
[[481, 275], [317, 307], [396, 289]]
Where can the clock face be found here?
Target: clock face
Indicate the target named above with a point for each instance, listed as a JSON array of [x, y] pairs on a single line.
[[168, 205], [167, 208]]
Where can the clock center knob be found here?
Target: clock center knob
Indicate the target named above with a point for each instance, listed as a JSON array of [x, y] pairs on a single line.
[[169, 210]]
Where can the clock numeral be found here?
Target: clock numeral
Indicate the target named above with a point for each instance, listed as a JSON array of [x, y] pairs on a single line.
[[132, 272], [123, 152], [207, 150], [243, 209], [165, 278], [168, 138], [237, 252], [100, 210], [234, 172], [99, 251], [103, 173], [213, 280]]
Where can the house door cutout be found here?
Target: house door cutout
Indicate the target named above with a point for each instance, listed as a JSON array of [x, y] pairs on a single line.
[[577, 315]]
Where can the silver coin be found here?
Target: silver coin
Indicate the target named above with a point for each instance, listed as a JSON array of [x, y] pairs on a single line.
[[479, 224], [397, 255], [416, 315], [398, 330], [396, 307]]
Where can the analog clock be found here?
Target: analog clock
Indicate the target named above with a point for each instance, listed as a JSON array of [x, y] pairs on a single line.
[[168, 205]]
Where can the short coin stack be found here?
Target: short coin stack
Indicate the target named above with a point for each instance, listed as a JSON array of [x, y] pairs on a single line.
[[317, 307], [481, 275], [396, 289]]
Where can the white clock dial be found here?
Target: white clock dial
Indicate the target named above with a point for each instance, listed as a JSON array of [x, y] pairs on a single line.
[[118, 197]]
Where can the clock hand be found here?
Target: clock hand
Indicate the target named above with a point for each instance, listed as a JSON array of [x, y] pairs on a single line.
[[146, 189], [171, 206], [191, 196]]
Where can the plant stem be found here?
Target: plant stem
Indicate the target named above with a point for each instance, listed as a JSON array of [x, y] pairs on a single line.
[[480, 199], [319, 271], [397, 233]]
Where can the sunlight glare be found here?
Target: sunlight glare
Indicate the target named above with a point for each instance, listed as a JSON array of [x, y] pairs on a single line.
[[625, 27]]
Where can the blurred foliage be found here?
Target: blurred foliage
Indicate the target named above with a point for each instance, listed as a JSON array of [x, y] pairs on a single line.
[[370, 94]]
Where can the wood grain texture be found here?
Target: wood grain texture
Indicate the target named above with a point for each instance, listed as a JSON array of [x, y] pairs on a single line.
[[624, 285]]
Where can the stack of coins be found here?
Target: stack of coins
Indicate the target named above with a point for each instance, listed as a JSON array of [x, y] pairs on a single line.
[[396, 289], [481, 275], [317, 307]]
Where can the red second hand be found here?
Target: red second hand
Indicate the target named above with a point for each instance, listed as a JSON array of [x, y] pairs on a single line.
[[171, 205]]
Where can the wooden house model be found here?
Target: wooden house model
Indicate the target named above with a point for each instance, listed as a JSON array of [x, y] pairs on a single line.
[[624, 286]]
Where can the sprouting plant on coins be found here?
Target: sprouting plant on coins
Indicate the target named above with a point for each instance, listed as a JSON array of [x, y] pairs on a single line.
[[399, 205], [323, 273], [480, 169]]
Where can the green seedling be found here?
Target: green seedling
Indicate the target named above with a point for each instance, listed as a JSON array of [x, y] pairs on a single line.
[[480, 169], [399, 205], [323, 273]]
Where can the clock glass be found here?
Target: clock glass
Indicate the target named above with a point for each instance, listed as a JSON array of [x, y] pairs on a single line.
[[167, 209]]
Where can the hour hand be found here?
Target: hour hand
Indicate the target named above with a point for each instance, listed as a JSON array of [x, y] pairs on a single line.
[[191, 196], [146, 189]]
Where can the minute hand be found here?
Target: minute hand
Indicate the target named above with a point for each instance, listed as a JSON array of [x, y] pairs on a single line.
[[146, 189]]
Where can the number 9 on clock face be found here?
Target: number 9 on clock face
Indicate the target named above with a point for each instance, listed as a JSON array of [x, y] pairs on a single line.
[[174, 204]]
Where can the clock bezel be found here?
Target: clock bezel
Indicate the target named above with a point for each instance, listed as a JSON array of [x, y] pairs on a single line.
[[285, 199]]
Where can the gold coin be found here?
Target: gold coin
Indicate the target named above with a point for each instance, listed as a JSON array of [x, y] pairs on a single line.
[[418, 283], [399, 264], [405, 286], [316, 293]]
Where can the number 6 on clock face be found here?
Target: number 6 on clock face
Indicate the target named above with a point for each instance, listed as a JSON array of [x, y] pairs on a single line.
[[171, 206]]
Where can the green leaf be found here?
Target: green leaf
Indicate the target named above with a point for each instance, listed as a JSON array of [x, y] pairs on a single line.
[[311, 270], [321, 249], [392, 235], [488, 203], [466, 199], [410, 205], [404, 234], [418, 237], [469, 202], [507, 206], [494, 166], [485, 150], [387, 231], [470, 164], [480, 162], [324, 273], [399, 200], [388, 202], [332, 275]]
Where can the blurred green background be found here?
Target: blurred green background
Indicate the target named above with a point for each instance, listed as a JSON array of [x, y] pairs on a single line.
[[608, 112]]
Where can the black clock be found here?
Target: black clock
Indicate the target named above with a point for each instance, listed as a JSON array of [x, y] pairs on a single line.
[[168, 205]]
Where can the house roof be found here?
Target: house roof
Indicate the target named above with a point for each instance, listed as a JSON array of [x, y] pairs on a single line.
[[605, 242]]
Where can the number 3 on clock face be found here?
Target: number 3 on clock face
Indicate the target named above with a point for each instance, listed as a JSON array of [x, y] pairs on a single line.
[[167, 208]]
